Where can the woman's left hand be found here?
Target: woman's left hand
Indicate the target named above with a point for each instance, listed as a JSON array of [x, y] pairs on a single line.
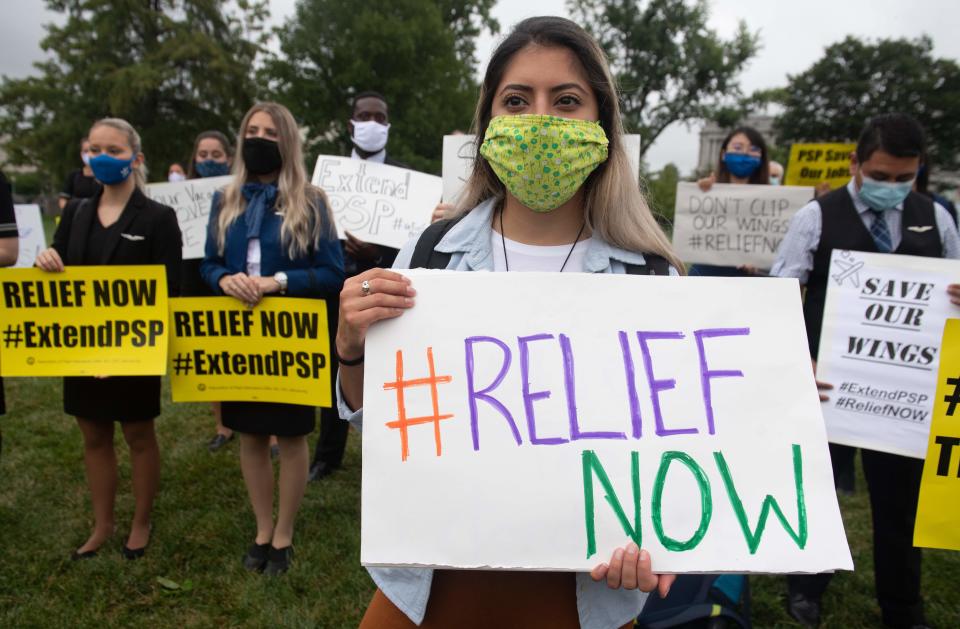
[[268, 285], [630, 569]]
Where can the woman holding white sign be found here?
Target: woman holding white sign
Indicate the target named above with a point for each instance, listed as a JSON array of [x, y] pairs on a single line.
[[212, 157], [119, 225], [271, 233], [744, 159], [577, 210]]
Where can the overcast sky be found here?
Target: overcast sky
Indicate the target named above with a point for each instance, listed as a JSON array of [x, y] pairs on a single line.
[[793, 35]]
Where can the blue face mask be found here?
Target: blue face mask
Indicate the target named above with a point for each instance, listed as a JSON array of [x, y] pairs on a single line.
[[110, 170], [882, 195], [210, 168], [740, 164]]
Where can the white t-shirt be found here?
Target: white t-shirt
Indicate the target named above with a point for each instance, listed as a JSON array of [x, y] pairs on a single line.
[[253, 257], [536, 257]]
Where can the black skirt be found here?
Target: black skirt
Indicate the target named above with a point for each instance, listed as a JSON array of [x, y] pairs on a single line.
[[191, 282], [118, 398], [269, 418]]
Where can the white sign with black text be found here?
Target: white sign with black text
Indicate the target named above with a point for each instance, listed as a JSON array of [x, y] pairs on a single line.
[[880, 348]]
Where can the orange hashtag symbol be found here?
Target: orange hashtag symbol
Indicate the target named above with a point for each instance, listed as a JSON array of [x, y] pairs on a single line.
[[403, 422]]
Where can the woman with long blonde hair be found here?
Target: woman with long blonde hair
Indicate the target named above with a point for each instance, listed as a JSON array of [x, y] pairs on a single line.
[[271, 233], [581, 211]]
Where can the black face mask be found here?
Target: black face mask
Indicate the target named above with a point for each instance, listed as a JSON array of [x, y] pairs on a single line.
[[261, 156]]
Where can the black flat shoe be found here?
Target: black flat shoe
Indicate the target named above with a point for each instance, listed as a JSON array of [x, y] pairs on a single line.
[[256, 558], [218, 442], [320, 470], [805, 611], [133, 553], [279, 561], [77, 556]]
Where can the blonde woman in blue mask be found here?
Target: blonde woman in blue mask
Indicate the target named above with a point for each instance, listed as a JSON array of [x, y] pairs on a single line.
[[591, 217]]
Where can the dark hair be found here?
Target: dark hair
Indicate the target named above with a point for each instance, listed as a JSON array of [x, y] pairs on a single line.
[[760, 175], [548, 31], [899, 135], [216, 135], [366, 94]]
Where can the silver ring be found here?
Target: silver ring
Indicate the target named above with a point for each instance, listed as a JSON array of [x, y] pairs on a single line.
[[365, 287]]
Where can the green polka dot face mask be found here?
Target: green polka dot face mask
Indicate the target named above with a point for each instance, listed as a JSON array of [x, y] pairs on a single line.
[[543, 160]]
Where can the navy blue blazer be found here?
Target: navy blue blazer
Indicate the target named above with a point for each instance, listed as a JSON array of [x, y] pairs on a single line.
[[319, 273]]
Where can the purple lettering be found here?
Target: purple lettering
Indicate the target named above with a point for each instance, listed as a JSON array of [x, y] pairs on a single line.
[[656, 386], [631, 385], [706, 374], [530, 397], [473, 395], [571, 388]]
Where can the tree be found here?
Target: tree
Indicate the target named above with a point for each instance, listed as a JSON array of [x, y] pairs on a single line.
[[662, 193], [172, 68], [418, 53], [670, 66], [855, 80]]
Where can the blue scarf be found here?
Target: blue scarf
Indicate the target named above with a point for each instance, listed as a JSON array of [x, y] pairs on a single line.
[[260, 198]]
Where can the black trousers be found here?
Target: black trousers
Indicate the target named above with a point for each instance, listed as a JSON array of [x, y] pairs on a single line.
[[894, 485], [333, 430], [844, 470]]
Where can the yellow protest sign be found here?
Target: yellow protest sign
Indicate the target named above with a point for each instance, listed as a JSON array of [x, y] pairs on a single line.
[[222, 351], [88, 320], [938, 512], [811, 164]]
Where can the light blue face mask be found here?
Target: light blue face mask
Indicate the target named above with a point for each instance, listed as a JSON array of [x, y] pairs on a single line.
[[882, 195]]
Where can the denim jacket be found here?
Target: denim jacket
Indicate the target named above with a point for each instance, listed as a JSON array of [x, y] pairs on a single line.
[[409, 588]]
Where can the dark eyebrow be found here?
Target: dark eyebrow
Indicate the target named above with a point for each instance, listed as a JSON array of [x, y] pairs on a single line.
[[559, 88]]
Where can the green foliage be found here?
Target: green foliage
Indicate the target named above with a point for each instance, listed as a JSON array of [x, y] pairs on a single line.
[[855, 80], [418, 53], [662, 192], [670, 66], [25, 184], [172, 68]]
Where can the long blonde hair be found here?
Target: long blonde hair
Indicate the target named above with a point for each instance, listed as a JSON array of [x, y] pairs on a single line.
[[305, 209], [133, 139], [614, 207]]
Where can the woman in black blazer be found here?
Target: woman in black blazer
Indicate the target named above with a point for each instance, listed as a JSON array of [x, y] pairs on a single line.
[[119, 225]]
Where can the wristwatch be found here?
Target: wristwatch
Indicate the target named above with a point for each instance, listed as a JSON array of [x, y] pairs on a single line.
[[281, 279]]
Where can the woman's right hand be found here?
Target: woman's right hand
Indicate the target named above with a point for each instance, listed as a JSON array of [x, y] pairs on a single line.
[[49, 260], [707, 182], [243, 287], [389, 294]]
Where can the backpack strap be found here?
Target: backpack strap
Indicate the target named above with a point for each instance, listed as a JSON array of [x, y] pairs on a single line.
[[424, 256], [654, 265]]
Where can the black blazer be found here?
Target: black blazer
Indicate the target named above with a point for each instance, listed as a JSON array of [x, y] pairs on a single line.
[[147, 233]]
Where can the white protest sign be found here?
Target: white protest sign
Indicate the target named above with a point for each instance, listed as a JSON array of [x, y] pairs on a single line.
[[540, 420], [459, 151], [377, 203], [734, 224], [880, 348], [33, 240], [191, 199]]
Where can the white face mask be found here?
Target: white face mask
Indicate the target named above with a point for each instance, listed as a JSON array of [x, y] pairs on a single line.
[[370, 136], [175, 176], [85, 158]]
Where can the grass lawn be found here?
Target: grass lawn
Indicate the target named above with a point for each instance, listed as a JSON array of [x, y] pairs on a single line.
[[203, 525]]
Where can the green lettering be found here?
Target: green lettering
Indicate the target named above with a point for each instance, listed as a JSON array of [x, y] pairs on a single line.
[[706, 501], [753, 537], [591, 467]]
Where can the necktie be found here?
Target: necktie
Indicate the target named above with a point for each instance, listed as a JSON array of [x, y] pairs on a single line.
[[880, 232]]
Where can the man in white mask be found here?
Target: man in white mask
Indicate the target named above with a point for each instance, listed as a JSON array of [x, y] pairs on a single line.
[[369, 128]]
